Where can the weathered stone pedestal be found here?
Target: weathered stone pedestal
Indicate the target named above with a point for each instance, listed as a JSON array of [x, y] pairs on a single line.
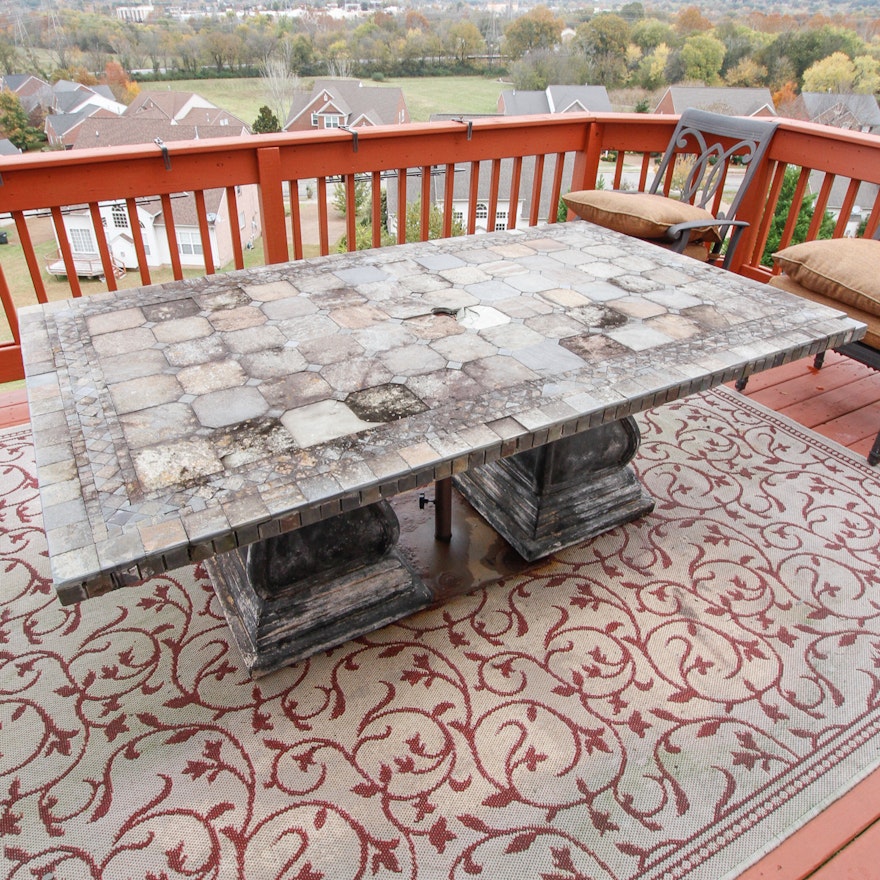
[[563, 492], [291, 596]]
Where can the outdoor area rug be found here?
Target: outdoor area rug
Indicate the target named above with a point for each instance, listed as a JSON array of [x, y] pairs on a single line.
[[668, 700]]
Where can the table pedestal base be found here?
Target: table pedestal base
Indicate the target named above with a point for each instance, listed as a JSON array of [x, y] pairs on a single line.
[[563, 492], [289, 597]]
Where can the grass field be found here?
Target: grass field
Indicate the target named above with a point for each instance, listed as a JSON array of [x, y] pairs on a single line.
[[424, 96]]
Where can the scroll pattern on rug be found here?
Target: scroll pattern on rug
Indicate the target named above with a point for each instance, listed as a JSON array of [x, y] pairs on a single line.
[[658, 702]]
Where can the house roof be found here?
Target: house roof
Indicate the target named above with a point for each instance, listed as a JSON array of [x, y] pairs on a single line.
[[62, 123], [210, 116], [351, 99], [22, 83], [7, 148], [556, 99], [168, 103], [834, 109], [727, 100], [119, 131]]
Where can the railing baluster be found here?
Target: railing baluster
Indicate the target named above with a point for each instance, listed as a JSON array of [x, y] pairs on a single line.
[[171, 237], [796, 201], [767, 219], [103, 248], [643, 171], [295, 218], [350, 213], [873, 218], [846, 208], [66, 253], [204, 232], [401, 205], [473, 198], [9, 310], [537, 186], [819, 207], [234, 227], [618, 169], [376, 213], [425, 204], [513, 204], [139, 249], [27, 246], [323, 220], [556, 195], [448, 199], [494, 184]]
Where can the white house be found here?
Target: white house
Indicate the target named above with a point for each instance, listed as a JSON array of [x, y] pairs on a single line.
[[223, 230]]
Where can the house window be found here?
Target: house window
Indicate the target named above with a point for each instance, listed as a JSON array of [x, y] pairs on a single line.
[[189, 243], [314, 120], [241, 220], [120, 220], [500, 221], [81, 241], [482, 212], [332, 121]]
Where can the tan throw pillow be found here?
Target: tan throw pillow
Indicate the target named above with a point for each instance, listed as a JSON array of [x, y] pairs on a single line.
[[845, 269], [643, 215]]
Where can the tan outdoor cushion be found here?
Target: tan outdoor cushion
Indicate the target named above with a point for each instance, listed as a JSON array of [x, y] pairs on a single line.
[[844, 269], [872, 336], [643, 215]]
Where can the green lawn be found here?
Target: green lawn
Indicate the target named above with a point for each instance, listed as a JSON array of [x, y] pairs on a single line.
[[424, 95]]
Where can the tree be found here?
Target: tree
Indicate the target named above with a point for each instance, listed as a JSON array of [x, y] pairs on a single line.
[[266, 122], [545, 67], [785, 97], [604, 40], [836, 73], [692, 21], [803, 47], [651, 72], [746, 72], [538, 29], [804, 218], [124, 90], [702, 56], [867, 75], [650, 33], [465, 41], [279, 81], [14, 123]]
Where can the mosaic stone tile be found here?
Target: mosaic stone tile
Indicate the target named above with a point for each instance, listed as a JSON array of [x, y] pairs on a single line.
[[178, 421]]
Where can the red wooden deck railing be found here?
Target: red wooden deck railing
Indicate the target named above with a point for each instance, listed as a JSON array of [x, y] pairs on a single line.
[[533, 158]]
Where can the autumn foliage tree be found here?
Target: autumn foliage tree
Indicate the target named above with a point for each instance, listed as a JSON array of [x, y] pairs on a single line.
[[115, 76]]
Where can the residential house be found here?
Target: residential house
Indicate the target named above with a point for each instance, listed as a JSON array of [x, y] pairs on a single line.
[[333, 103], [554, 99], [852, 112], [139, 129], [62, 105], [727, 100]]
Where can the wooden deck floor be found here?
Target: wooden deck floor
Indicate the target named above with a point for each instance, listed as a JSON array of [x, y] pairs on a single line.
[[842, 402]]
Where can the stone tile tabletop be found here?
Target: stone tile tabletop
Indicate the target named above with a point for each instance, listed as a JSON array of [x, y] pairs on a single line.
[[176, 421]]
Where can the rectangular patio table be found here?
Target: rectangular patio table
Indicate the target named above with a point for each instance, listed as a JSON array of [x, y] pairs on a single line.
[[258, 420]]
